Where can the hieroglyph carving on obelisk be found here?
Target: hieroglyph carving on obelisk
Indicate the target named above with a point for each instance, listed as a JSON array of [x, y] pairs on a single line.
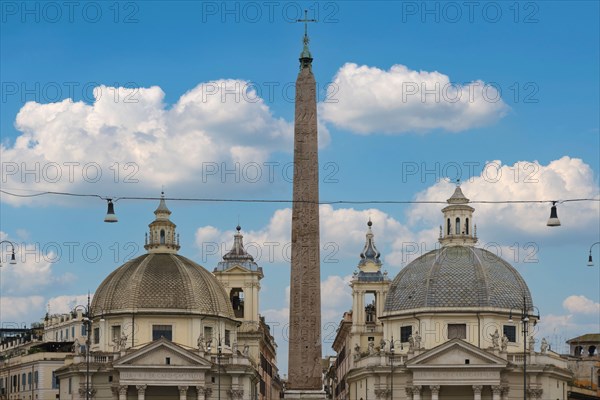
[[304, 370]]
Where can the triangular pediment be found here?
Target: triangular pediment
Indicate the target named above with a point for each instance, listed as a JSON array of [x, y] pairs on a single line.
[[236, 268], [457, 353], [162, 352]]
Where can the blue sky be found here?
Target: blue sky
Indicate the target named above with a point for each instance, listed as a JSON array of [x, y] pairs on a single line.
[[527, 74]]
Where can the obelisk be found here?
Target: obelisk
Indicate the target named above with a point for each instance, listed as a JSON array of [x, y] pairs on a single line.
[[304, 368]]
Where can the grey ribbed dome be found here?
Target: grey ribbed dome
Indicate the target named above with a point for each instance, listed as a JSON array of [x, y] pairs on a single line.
[[161, 282], [457, 276]]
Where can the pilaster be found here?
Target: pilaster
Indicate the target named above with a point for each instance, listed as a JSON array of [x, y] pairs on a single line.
[[183, 392], [123, 392], [477, 392], [435, 392], [141, 389]]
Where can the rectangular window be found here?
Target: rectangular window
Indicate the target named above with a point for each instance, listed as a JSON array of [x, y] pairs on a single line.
[[67, 334], [510, 332], [73, 332], [55, 382], [263, 387], [159, 331], [83, 330], [116, 333], [96, 335], [208, 333], [457, 331], [405, 332], [35, 379], [70, 384], [227, 338]]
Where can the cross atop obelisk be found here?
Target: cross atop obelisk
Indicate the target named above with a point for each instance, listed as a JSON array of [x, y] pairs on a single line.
[[305, 379], [306, 56], [306, 21]]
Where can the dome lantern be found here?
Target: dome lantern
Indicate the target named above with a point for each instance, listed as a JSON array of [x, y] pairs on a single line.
[[458, 221], [162, 237]]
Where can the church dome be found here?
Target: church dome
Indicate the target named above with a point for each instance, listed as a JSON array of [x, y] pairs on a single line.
[[161, 282], [457, 277]]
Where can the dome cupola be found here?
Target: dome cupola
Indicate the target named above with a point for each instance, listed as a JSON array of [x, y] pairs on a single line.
[[161, 281], [458, 229], [162, 238], [458, 275]]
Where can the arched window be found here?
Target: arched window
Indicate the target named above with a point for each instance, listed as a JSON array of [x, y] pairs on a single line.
[[457, 227], [237, 302], [370, 310], [449, 231], [162, 236], [591, 351], [467, 226]]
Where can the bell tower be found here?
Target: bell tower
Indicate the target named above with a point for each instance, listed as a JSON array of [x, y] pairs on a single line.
[[241, 276], [369, 290]]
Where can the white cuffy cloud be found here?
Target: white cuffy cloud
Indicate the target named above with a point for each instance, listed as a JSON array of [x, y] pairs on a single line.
[[565, 178], [130, 136], [66, 303], [33, 270], [581, 305], [399, 100], [343, 233]]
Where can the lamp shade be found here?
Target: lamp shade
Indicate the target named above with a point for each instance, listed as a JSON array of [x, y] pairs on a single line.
[[553, 220], [110, 214]]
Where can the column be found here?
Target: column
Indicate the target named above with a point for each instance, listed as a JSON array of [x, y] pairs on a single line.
[[505, 390], [477, 392], [123, 392], [360, 306], [199, 392], [496, 392], [417, 392], [535, 393], [183, 392], [435, 391], [141, 389]]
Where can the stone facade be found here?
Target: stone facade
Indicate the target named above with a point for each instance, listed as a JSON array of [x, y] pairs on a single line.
[[162, 327], [446, 331]]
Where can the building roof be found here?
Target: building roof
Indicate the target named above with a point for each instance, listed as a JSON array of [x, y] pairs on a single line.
[[588, 337], [370, 252], [238, 255], [161, 282], [458, 276]]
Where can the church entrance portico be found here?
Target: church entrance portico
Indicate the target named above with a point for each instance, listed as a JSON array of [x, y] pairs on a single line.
[[457, 392], [160, 371], [153, 392], [456, 370]]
